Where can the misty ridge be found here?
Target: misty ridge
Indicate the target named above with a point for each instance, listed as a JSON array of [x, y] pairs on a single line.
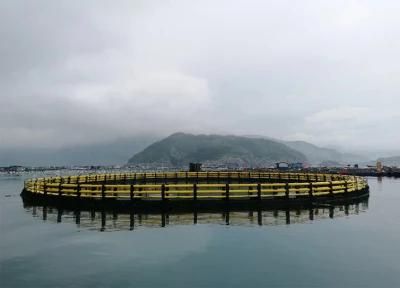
[[179, 149]]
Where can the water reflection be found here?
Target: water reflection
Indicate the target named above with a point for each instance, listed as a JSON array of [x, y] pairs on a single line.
[[114, 220]]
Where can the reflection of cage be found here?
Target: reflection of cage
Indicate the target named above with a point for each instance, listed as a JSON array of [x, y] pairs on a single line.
[[129, 220]]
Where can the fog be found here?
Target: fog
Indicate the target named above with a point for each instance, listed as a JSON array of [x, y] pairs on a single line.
[[86, 72]]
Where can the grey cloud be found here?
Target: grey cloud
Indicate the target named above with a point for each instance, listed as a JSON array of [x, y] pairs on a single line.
[[76, 72]]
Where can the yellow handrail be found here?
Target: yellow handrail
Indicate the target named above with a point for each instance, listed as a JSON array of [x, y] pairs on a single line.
[[249, 185]]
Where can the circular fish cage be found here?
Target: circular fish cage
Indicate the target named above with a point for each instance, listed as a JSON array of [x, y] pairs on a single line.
[[186, 189]]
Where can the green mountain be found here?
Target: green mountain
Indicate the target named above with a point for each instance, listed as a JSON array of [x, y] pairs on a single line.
[[179, 149]]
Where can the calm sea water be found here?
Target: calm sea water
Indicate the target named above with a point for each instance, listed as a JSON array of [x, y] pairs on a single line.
[[353, 246]]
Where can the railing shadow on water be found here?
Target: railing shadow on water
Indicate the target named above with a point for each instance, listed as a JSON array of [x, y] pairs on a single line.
[[104, 219]]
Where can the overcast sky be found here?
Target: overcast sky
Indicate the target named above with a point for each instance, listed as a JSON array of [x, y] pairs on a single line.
[[79, 72]]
